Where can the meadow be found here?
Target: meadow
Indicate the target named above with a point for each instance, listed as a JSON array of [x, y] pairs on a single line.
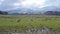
[[22, 23]]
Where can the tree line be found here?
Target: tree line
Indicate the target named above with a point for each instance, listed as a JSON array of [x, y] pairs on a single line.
[[52, 13], [45, 13], [3, 12]]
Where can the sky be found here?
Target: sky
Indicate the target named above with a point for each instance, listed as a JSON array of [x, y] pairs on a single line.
[[14, 4]]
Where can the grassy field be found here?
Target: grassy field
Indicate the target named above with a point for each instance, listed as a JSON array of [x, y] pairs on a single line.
[[25, 22]]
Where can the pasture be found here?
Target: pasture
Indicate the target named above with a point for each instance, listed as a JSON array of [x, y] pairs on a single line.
[[22, 23]]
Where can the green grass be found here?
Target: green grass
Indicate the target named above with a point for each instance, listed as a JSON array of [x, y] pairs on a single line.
[[25, 22]]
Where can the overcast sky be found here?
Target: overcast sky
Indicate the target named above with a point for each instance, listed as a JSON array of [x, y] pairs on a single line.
[[14, 4]]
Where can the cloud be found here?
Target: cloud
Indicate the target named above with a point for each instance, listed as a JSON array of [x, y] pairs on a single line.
[[1, 1], [53, 2], [11, 4], [6, 4], [30, 3]]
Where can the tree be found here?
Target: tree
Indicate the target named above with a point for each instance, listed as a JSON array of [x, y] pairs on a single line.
[[52, 13], [3, 12]]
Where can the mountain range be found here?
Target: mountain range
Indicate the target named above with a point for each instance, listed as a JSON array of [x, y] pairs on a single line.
[[34, 10]]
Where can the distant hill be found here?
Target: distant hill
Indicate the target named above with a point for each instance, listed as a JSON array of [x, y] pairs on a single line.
[[52, 13], [3, 12], [23, 11], [51, 8], [33, 10]]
